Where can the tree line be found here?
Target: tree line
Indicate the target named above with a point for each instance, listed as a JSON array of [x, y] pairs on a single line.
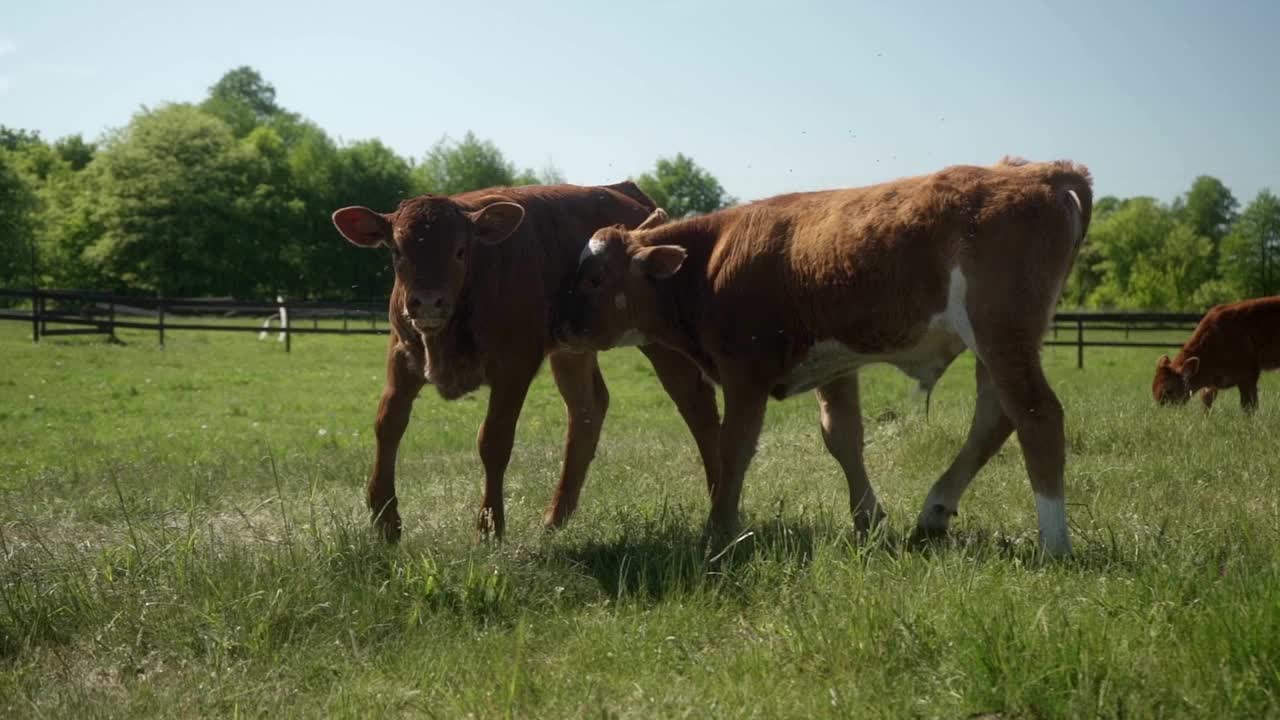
[[232, 196]]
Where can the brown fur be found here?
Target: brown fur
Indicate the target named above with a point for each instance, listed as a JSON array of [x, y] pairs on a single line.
[[759, 285], [1231, 347], [473, 304]]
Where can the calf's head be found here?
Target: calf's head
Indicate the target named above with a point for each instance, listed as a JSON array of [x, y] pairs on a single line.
[[615, 299], [432, 241], [1172, 384]]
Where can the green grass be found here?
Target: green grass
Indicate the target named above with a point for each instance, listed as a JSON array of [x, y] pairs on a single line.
[[182, 534]]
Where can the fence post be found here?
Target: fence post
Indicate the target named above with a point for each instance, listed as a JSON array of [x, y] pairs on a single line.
[[160, 324], [284, 326], [1079, 343], [111, 322], [35, 315]]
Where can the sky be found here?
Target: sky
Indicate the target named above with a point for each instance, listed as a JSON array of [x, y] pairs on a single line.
[[770, 97]]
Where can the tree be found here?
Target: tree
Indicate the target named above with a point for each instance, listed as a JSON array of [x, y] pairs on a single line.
[[167, 190], [1209, 208], [682, 188], [1251, 253], [17, 239], [1136, 228], [75, 151], [472, 164], [17, 138], [1170, 276], [242, 99]]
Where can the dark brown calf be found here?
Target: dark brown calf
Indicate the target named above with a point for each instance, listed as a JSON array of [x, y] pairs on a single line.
[[477, 280], [1231, 347], [797, 292]]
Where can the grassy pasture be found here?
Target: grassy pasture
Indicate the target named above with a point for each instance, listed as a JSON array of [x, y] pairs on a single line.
[[181, 533]]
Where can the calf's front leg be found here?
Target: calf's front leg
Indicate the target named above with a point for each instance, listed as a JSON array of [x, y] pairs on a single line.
[[496, 437], [744, 408], [394, 409]]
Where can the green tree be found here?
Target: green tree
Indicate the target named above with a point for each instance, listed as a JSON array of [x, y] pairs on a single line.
[[1251, 253], [17, 237], [682, 188], [1137, 227], [452, 167], [17, 138], [1209, 208], [1170, 276], [242, 99], [167, 191], [75, 151]]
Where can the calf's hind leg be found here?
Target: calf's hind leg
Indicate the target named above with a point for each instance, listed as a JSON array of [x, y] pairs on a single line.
[[841, 418], [987, 433], [1037, 417]]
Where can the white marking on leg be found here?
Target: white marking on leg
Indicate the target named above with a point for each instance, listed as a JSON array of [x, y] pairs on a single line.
[[620, 301], [1054, 535]]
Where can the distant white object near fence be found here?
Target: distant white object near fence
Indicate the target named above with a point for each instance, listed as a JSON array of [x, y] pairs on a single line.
[[284, 321]]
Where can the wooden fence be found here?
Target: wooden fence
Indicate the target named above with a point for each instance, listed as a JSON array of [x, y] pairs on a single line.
[[76, 312]]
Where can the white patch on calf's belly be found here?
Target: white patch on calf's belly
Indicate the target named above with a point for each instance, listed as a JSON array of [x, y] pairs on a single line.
[[947, 335]]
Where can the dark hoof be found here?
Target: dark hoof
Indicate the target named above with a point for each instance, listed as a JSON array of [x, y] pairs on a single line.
[[388, 528], [387, 521], [554, 519]]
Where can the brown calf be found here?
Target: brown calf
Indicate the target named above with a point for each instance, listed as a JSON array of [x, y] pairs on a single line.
[[477, 278], [1231, 347], [797, 292]]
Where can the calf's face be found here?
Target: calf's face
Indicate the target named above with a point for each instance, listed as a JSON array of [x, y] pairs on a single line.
[[432, 241], [614, 299], [1172, 385]]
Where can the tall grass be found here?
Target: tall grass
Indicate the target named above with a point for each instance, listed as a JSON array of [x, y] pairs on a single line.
[[179, 537]]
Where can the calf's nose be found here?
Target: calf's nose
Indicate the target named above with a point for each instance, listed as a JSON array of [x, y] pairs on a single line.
[[434, 302]]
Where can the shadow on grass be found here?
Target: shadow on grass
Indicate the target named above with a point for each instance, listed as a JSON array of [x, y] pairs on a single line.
[[657, 559]]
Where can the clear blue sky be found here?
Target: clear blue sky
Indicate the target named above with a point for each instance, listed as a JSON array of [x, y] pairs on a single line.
[[769, 96]]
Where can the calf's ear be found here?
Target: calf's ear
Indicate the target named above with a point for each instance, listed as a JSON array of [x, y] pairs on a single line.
[[495, 222], [362, 226], [1163, 362], [658, 261], [1190, 367], [656, 218]]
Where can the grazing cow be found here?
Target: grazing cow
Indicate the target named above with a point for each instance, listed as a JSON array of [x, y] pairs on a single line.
[[1231, 347], [477, 276], [797, 292]]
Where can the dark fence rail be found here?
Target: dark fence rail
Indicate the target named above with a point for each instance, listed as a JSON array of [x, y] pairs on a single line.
[[82, 312], [86, 312]]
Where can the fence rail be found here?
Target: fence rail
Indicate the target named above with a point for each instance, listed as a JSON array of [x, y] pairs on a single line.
[[84, 312]]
